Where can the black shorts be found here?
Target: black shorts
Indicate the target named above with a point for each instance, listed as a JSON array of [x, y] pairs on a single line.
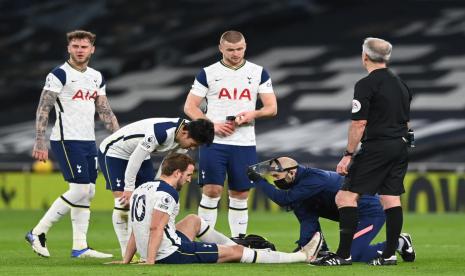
[[379, 167]]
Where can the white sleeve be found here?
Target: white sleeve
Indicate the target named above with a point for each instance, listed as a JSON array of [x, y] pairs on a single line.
[[198, 89], [52, 83], [266, 87], [103, 86], [165, 203], [134, 163]]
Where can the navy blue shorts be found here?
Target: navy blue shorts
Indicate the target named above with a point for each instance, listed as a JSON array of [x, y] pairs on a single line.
[[217, 160], [77, 160], [114, 168], [191, 252]]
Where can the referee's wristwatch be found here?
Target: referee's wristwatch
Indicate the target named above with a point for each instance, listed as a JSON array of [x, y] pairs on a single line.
[[347, 153]]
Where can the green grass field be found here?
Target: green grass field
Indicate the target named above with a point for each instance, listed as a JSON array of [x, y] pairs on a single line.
[[438, 239]]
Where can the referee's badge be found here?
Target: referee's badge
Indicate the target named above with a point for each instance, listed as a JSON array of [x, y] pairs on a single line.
[[356, 106]]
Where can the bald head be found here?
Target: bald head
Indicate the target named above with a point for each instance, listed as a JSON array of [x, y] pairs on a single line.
[[285, 162], [378, 50]]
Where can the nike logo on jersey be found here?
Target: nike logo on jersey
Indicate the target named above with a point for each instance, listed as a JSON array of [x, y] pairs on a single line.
[[73, 80], [217, 79]]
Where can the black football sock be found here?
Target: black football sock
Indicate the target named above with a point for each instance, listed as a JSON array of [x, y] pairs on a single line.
[[394, 221], [348, 220]]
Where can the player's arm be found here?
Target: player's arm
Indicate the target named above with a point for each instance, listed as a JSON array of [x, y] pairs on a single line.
[[269, 109], [130, 249], [157, 226], [134, 163], [192, 109], [106, 114], [46, 103]]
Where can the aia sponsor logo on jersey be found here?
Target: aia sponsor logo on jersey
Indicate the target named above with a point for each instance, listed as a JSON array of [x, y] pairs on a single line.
[[80, 95], [235, 94]]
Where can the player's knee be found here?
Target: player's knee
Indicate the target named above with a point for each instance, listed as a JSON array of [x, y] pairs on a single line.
[[193, 218], [77, 193], [213, 191]]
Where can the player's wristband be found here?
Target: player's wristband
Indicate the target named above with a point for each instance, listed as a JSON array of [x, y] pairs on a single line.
[[347, 153]]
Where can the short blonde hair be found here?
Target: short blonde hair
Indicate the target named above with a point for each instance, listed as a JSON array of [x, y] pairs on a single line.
[[231, 36]]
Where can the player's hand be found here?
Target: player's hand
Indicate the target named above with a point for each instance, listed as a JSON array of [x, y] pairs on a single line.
[[124, 199], [224, 129], [343, 166], [253, 175], [40, 151], [245, 117]]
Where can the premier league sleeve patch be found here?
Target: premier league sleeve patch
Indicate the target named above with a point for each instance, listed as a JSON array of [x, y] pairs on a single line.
[[356, 106], [165, 204], [148, 143]]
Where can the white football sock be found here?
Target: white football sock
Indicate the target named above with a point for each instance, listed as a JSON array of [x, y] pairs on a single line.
[[60, 207], [120, 224], [80, 221], [80, 216], [208, 209], [271, 257], [238, 216], [209, 234]]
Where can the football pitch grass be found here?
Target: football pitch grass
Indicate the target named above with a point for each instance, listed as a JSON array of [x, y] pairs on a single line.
[[439, 242]]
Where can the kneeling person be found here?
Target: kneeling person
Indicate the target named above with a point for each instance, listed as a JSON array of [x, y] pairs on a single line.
[[153, 210]]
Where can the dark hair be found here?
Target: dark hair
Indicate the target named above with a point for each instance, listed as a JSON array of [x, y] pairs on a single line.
[[80, 34], [201, 130], [176, 161]]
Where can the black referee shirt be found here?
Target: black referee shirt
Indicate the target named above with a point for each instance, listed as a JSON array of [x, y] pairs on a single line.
[[382, 99]]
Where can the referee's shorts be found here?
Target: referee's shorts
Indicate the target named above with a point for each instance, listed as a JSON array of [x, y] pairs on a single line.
[[379, 167]]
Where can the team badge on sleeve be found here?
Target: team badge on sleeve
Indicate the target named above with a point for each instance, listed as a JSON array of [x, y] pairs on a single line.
[[356, 106]]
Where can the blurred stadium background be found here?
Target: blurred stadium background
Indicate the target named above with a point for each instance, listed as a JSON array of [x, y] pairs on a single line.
[[150, 51]]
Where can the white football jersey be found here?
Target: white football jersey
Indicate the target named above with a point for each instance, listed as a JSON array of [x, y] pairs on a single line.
[[150, 196], [75, 105], [230, 91], [154, 134]]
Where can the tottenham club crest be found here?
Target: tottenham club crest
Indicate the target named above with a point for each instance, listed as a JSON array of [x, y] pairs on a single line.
[[356, 106]]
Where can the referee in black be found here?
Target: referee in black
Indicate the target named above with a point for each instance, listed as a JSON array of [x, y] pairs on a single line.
[[380, 116]]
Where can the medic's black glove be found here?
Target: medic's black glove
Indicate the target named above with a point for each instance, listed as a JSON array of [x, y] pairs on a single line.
[[253, 175]]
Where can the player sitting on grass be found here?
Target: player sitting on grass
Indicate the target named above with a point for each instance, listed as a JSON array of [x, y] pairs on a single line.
[[155, 236]]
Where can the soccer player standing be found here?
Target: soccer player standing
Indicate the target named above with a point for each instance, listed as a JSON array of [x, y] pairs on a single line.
[[76, 91], [380, 116], [231, 88]]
